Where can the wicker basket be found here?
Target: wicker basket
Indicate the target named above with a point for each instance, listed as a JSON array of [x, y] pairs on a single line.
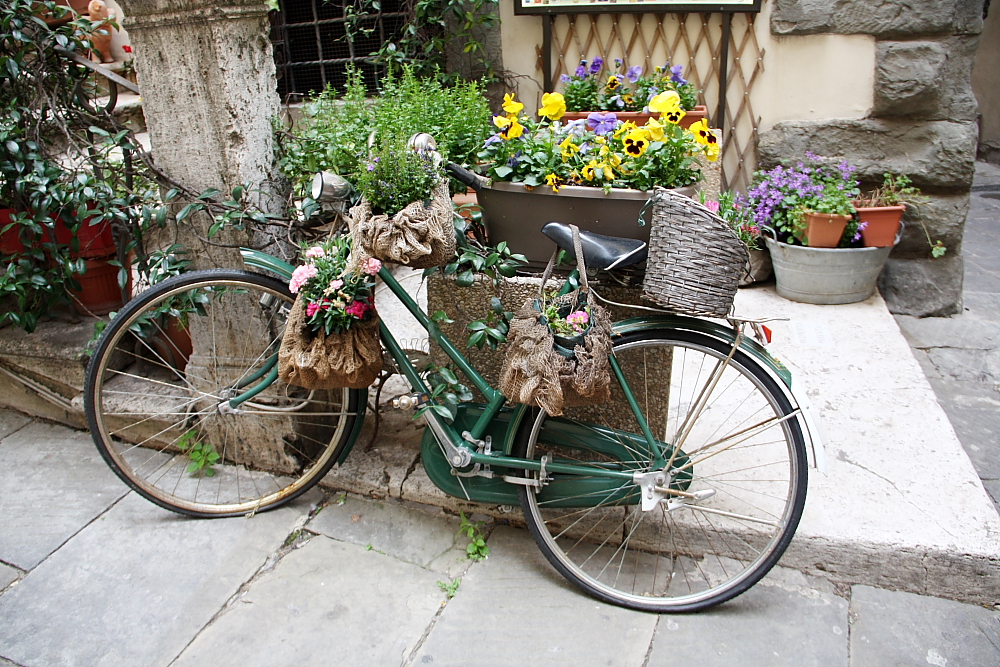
[[695, 260]]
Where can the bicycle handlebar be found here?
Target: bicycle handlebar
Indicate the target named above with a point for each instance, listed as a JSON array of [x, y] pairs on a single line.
[[465, 176]]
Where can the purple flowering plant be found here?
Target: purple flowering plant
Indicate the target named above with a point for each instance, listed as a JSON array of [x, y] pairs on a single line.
[[595, 87], [780, 197], [395, 176]]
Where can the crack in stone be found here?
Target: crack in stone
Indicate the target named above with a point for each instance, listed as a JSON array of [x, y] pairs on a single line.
[[846, 459]]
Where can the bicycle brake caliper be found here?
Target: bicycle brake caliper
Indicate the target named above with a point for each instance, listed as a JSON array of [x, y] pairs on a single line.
[[651, 487]]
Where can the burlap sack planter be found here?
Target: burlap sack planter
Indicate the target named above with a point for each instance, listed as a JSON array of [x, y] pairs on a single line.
[[314, 360], [420, 236]]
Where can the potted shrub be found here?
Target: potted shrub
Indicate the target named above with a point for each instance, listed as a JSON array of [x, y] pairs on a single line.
[[781, 198], [592, 172], [881, 212], [628, 94]]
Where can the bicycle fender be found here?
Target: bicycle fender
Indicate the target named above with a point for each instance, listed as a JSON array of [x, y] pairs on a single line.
[[256, 259], [724, 333]]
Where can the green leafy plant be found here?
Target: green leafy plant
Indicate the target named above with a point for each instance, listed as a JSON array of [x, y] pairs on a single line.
[[395, 176], [494, 264], [450, 589], [898, 190], [731, 208], [202, 454], [337, 128], [446, 392], [477, 549]]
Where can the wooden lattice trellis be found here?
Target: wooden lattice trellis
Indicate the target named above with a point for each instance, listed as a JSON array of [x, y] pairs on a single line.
[[692, 40]]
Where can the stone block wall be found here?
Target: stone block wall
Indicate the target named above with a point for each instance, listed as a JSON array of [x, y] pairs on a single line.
[[922, 124]]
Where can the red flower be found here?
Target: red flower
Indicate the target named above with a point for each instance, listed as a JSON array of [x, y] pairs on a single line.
[[126, 48]]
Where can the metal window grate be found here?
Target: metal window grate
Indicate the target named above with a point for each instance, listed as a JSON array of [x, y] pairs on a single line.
[[315, 41], [692, 40]]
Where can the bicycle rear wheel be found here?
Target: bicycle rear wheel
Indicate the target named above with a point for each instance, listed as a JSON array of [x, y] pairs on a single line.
[[735, 469], [157, 398]]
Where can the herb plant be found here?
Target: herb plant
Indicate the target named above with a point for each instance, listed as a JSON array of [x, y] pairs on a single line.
[[394, 176], [898, 190]]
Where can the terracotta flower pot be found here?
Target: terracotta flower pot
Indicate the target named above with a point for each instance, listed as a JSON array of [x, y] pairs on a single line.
[[883, 224], [700, 112], [173, 345], [96, 241], [823, 230], [99, 292]]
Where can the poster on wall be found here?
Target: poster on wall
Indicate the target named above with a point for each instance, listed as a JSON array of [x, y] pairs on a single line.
[[632, 6]]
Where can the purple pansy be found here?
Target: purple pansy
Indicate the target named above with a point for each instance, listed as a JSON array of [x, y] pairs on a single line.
[[675, 75], [602, 123], [633, 73], [565, 78], [581, 69], [596, 65]]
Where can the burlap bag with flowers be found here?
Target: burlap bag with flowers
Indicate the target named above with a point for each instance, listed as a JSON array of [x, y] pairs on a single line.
[[314, 360], [552, 372], [422, 235]]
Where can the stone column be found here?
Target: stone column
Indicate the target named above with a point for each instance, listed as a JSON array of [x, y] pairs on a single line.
[[923, 124], [207, 79]]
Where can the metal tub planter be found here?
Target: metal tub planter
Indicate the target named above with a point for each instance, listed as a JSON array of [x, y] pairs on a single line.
[[826, 276]]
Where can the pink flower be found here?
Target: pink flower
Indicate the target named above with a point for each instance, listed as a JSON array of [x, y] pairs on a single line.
[[311, 309], [315, 252], [578, 320], [372, 266], [357, 308], [301, 276], [336, 284], [712, 206]]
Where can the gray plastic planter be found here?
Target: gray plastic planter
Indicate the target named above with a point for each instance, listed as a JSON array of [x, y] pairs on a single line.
[[826, 276]]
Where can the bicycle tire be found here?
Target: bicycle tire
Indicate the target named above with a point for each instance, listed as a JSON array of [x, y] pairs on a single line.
[[688, 556], [152, 398]]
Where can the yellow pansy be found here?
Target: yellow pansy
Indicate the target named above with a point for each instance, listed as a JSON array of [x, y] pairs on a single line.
[[712, 152], [614, 159], [553, 106], [569, 149], [655, 129], [588, 171], [674, 116], [636, 142], [627, 126], [665, 102], [608, 173], [614, 83], [510, 106], [509, 127], [553, 181]]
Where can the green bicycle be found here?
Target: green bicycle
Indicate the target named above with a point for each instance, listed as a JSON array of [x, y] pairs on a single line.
[[679, 493]]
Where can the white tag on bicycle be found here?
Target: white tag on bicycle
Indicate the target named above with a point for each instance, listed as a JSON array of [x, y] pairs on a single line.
[[810, 334]]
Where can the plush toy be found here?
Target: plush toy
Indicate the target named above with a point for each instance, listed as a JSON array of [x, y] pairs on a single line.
[[100, 17]]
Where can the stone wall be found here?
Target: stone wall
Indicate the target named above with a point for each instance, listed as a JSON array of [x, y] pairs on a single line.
[[922, 124]]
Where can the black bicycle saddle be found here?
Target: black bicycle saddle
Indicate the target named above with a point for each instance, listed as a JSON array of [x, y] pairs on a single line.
[[599, 251]]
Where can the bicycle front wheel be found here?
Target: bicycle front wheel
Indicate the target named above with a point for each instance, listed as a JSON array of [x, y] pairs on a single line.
[[724, 493], [157, 398]]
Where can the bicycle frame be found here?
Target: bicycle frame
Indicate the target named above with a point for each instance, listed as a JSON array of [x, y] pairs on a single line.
[[469, 451]]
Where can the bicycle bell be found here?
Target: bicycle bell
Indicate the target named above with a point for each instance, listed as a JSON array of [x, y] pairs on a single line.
[[328, 186]]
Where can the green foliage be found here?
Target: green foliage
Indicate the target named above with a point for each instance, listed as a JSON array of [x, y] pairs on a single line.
[[202, 454], [446, 393], [899, 190], [474, 258], [477, 549], [394, 176], [435, 28], [450, 589], [335, 132]]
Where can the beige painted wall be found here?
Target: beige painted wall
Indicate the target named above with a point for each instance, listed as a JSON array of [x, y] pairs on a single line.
[[804, 77], [986, 77]]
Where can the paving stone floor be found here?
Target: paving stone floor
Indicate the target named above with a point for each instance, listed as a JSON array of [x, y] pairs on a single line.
[[340, 579]]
